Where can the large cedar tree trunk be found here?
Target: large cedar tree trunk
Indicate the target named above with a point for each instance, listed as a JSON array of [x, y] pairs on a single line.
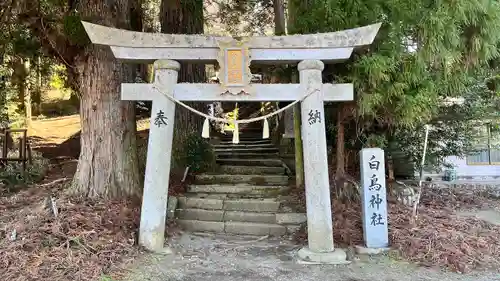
[[279, 17], [279, 29], [185, 17], [108, 165], [150, 15], [21, 75], [293, 8], [340, 150], [27, 95]]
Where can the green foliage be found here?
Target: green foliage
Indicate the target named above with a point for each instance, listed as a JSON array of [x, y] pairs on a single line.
[[6, 93], [142, 153], [34, 36], [23, 67], [74, 31], [453, 129], [240, 18], [425, 53], [13, 174], [58, 77], [23, 42], [198, 153], [374, 140]]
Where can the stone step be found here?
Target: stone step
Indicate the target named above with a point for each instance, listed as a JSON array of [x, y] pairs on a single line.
[[246, 155], [235, 179], [266, 205], [271, 162], [241, 216], [227, 191], [242, 145], [249, 129], [246, 150], [247, 228], [251, 170], [246, 133], [257, 139], [246, 141]]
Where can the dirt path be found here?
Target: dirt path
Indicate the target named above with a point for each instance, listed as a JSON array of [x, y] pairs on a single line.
[[59, 137], [55, 130], [220, 258]]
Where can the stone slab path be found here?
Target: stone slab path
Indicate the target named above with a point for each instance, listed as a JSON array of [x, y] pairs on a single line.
[[235, 258]]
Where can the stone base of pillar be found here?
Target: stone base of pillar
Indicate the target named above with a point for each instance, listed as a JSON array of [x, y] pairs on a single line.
[[370, 251], [164, 251], [338, 256]]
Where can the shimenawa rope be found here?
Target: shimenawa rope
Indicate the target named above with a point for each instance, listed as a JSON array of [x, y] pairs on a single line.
[[205, 132]]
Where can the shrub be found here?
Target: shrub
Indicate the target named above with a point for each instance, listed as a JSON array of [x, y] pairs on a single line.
[[198, 154], [142, 153], [13, 174]]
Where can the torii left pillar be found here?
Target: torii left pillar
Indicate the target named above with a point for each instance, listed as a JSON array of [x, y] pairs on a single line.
[[155, 196]]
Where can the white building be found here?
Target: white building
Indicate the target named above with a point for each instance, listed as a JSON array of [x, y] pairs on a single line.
[[484, 163]]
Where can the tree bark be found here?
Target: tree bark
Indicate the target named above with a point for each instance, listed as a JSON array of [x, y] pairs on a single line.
[[299, 153], [108, 165], [390, 169], [279, 17], [36, 97], [19, 79], [150, 15], [185, 17], [150, 23], [340, 149], [279, 29], [27, 94]]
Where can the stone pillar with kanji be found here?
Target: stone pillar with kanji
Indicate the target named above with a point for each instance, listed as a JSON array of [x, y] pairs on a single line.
[[374, 200], [319, 211], [155, 194]]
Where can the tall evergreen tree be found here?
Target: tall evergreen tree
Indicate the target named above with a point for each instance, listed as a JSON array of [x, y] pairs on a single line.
[[425, 51], [108, 164], [185, 17]]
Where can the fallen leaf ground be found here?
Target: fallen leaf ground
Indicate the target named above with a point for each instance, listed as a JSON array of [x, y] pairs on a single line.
[[440, 238], [89, 239]]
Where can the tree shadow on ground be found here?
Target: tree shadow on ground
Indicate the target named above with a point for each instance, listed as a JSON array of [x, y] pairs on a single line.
[[69, 149], [57, 108]]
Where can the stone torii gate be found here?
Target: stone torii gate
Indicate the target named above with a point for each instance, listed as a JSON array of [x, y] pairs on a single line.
[[234, 58]]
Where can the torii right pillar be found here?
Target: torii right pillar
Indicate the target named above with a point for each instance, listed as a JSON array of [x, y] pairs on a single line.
[[319, 213]]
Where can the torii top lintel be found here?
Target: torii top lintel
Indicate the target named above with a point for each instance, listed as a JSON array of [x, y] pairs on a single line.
[[140, 46]]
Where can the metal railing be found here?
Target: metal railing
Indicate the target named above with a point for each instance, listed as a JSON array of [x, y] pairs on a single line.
[[486, 156]]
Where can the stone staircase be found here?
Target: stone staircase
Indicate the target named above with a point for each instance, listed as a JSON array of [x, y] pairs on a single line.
[[247, 194]]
